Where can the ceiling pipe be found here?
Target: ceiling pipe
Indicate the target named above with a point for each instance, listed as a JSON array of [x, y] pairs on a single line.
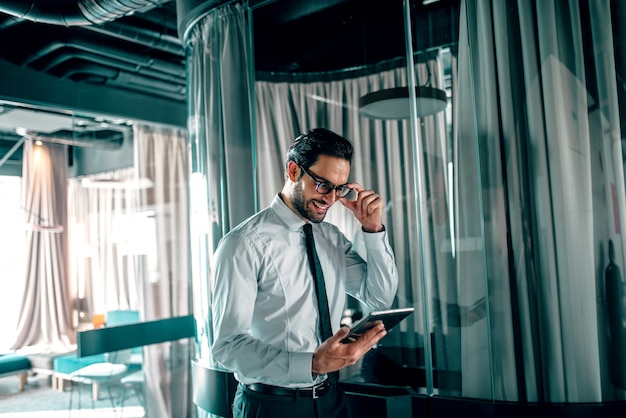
[[154, 72], [146, 37], [139, 60], [74, 12], [149, 84], [137, 84], [127, 80], [82, 68]]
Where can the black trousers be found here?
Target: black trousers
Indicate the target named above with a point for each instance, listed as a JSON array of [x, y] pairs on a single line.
[[249, 404]]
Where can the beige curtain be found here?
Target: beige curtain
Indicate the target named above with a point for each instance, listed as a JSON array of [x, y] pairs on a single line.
[[45, 318], [105, 224], [162, 159]]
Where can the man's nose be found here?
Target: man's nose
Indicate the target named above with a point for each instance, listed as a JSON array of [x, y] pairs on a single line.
[[331, 197]]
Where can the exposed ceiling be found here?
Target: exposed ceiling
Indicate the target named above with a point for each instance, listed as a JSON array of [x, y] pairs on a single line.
[[131, 64]]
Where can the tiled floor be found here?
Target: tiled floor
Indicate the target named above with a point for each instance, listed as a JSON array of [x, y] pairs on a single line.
[[39, 399], [97, 413]]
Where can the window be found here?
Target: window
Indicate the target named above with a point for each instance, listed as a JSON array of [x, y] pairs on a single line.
[[12, 257]]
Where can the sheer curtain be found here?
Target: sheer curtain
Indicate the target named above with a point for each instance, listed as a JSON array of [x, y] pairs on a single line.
[[106, 259], [285, 110], [45, 317], [222, 184], [162, 160], [383, 162], [547, 130], [130, 235]]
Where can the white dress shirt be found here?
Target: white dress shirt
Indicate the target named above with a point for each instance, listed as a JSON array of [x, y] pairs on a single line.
[[265, 318]]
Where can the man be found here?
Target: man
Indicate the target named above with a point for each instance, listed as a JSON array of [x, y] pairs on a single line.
[[265, 309]]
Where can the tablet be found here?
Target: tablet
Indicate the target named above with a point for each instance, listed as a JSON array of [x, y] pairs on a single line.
[[389, 317]]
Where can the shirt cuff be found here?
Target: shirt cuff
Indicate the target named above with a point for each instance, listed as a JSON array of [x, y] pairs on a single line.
[[375, 240], [300, 367]]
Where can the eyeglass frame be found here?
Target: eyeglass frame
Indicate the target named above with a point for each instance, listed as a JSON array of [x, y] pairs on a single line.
[[341, 189]]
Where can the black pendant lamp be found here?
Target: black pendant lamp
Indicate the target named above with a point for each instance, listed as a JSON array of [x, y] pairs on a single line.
[[393, 103]]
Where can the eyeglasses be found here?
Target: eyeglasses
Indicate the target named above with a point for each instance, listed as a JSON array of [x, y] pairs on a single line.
[[324, 187]]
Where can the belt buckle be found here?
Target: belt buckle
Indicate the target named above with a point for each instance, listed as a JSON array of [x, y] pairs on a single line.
[[314, 394]]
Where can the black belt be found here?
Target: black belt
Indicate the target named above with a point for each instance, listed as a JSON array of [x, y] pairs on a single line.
[[310, 392]]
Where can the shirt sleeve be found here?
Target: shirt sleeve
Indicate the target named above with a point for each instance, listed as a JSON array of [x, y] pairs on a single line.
[[373, 281], [235, 290]]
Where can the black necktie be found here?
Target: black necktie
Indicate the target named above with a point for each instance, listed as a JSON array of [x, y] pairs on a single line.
[[320, 289]]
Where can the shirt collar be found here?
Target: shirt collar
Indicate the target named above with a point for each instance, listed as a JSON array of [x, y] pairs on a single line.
[[292, 221]]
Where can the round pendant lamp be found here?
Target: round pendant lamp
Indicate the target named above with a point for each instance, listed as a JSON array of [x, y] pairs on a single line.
[[393, 103]]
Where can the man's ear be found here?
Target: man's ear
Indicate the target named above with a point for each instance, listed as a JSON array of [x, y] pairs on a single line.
[[292, 171]]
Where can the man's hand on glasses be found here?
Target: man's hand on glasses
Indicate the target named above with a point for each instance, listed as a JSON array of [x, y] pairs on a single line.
[[367, 208]]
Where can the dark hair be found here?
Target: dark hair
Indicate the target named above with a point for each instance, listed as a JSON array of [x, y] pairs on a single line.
[[306, 148]]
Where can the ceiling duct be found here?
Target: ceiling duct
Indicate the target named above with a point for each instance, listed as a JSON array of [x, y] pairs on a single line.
[[140, 62], [74, 12], [145, 37]]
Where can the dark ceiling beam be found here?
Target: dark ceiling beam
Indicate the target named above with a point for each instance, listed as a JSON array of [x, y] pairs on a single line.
[[8, 138], [286, 12], [11, 151], [12, 167], [24, 85], [188, 11], [114, 139]]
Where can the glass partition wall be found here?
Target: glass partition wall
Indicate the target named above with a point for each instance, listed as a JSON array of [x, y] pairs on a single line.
[[406, 154], [102, 219], [504, 198], [128, 227], [544, 82]]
